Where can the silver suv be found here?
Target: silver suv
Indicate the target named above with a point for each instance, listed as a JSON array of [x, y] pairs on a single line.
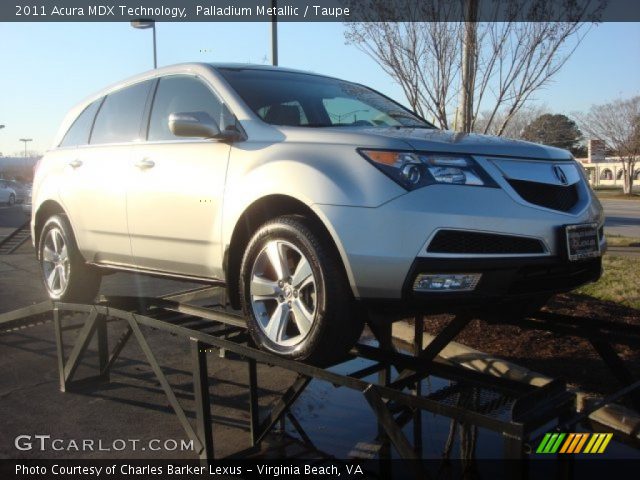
[[315, 200]]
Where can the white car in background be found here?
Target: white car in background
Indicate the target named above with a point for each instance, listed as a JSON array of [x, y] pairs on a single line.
[[8, 195]]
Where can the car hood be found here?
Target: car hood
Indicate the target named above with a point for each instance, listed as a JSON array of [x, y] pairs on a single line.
[[469, 143]]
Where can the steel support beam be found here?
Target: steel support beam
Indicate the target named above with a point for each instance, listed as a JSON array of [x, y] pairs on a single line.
[[103, 346], [202, 398], [281, 406], [82, 342], [59, 349], [173, 401], [254, 412], [386, 420], [616, 365], [120, 344]]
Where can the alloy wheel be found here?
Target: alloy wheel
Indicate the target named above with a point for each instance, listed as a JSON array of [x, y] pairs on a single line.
[[55, 262], [283, 293]]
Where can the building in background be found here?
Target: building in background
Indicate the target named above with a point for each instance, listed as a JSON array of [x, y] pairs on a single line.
[[605, 171]]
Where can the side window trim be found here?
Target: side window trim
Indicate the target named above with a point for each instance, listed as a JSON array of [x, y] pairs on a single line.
[[93, 122], [148, 108]]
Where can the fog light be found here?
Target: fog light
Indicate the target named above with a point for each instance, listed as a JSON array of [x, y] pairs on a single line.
[[446, 282]]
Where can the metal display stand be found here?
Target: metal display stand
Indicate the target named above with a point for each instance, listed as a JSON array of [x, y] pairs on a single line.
[[512, 408]]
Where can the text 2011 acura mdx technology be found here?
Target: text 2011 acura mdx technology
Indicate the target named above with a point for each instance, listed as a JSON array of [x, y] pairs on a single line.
[[310, 197]]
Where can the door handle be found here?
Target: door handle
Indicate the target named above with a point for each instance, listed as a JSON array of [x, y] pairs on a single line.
[[145, 163], [75, 163]]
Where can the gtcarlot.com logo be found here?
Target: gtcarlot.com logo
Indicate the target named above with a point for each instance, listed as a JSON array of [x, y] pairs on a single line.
[[573, 443], [46, 442]]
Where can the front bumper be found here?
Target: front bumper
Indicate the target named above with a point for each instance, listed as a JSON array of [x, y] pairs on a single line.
[[383, 247], [502, 280]]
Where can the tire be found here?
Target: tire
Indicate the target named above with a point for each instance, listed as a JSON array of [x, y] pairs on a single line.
[[67, 277], [514, 310], [12, 200], [302, 308]]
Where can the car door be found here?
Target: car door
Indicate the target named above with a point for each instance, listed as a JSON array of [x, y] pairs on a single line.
[[176, 190], [96, 177]]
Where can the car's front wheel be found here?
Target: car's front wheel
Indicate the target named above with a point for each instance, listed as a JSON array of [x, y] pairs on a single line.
[[295, 294], [66, 276], [12, 200]]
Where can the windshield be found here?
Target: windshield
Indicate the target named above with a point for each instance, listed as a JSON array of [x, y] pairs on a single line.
[[300, 99]]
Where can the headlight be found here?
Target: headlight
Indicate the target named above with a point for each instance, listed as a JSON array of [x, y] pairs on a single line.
[[417, 169]]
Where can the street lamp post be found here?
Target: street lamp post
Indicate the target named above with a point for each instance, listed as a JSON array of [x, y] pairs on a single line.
[[142, 24], [26, 140], [274, 34]]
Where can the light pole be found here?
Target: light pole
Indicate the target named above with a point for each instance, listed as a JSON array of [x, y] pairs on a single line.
[[142, 24], [274, 34], [26, 140]]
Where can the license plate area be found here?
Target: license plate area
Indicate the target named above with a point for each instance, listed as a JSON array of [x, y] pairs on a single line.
[[582, 241]]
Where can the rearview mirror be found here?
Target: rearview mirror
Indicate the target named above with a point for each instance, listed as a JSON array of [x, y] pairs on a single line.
[[194, 124]]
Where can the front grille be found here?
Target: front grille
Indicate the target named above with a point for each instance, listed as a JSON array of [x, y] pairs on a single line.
[[555, 197], [455, 241]]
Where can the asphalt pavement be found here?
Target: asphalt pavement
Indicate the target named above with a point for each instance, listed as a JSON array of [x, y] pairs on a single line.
[[623, 217], [10, 219]]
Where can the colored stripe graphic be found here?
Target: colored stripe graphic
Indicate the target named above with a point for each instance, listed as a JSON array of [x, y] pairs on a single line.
[[573, 443], [606, 441], [576, 440], [583, 439], [544, 441], [600, 443], [567, 443], [550, 443], [556, 445], [594, 439]]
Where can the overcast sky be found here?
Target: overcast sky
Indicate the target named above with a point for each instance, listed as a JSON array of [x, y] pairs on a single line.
[[46, 68]]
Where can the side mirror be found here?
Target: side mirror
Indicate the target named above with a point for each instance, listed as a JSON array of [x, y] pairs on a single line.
[[194, 124]]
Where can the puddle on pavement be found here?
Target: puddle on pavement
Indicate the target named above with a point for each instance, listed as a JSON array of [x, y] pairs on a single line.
[[340, 423]]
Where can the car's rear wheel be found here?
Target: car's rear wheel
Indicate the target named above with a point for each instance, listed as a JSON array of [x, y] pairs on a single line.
[[295, 294], [12, 200], [66, 275]]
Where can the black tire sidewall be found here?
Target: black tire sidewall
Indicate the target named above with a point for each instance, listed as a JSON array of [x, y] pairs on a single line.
[[298, 236]]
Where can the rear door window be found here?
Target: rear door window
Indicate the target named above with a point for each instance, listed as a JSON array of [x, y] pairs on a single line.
[[120, 116], [79, 132]]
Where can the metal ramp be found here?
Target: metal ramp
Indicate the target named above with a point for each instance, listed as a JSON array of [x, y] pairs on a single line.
[[19, 236], [391, 381]]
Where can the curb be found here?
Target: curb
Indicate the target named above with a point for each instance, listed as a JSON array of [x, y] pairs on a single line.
[[614, 416]]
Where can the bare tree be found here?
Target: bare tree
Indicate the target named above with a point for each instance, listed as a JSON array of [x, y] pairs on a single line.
[[515, 127], [511, 60], [618, 125]]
